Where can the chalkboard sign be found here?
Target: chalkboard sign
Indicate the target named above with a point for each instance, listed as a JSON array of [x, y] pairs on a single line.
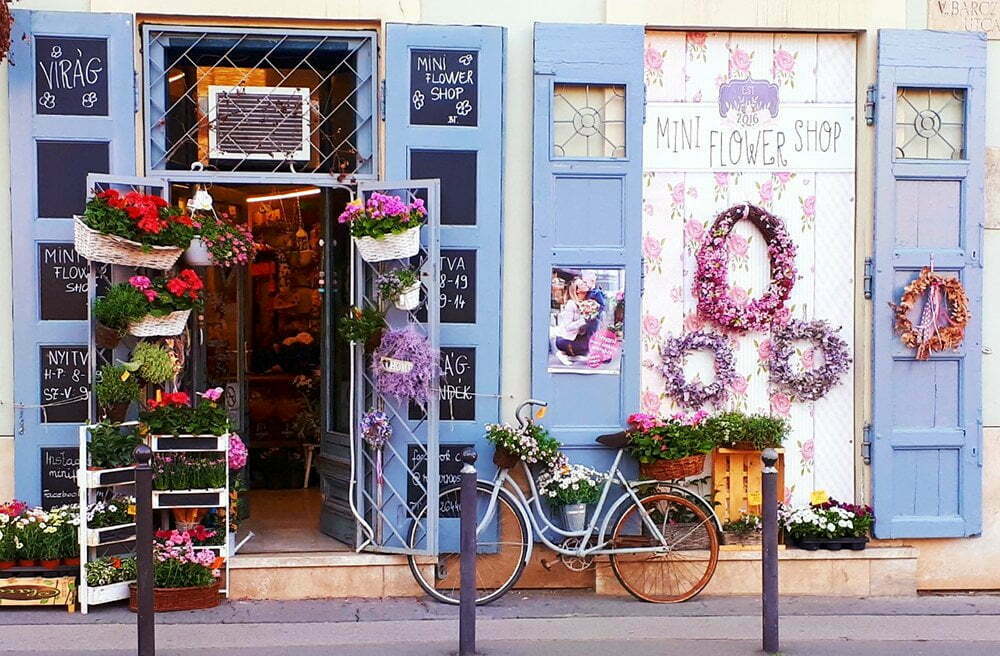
[[62, 282], [449, 474], [65, 375], [59, 466], [457, 383], [62, 175], [458, 287], [457, 171], [444, 87], [71, 76]]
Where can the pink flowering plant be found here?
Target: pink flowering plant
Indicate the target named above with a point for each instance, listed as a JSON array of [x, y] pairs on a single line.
[[811, 383], [715, 299], [696, 394], [382, 215], [679, 436], [237, 453], [229, 244], [178, 564]]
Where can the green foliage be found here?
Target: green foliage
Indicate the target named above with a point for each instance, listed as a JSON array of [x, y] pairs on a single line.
[[188, 472], [760, 431], [111, 389], [392, 283], [176, 573], [670, 441], [152, 363], [111, 446], [110, 569], [359, 325], [121, 305], [154, 222], [113, 512], [204, 419], [747, 523]]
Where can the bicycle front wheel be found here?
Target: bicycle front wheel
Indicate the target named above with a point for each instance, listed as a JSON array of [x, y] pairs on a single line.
[[681, 566], [502, 546]]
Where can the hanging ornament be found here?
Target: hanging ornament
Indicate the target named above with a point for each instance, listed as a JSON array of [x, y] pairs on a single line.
[[943, 317], [812, 384], [376, 430]]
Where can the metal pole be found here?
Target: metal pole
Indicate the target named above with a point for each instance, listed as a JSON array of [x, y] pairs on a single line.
[[144, 549], [769, 556], [467, 594]]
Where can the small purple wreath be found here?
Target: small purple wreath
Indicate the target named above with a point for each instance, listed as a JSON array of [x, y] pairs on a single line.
[[692, 395], [808, 385], [711, 285]]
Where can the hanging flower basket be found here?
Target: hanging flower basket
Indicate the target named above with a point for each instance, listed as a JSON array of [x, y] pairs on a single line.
[[111, 249], [394, 246], [170, 599], [197, 254], [409, 298], [669, 470], [165, 326]]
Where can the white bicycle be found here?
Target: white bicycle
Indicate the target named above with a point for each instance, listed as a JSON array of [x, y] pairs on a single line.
[[661, 539]]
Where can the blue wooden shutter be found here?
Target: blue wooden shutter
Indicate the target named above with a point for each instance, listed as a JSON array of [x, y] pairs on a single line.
[[586, 211], [444, 98], [72, 112], [926, 422]]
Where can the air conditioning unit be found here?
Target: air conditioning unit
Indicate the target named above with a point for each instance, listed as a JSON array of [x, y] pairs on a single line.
[[265, 123]]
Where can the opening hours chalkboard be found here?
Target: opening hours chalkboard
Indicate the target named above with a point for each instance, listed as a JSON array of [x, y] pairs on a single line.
[[457, 298], [444, 87], [64, 384]]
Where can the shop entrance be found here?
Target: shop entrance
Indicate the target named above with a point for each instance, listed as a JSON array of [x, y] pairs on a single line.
[[264, 338]]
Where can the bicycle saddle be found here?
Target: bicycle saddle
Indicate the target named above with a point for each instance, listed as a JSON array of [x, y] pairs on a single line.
[[614, 440]]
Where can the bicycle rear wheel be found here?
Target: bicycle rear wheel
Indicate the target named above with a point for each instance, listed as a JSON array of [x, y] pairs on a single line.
[[676, 571], [502, 547]]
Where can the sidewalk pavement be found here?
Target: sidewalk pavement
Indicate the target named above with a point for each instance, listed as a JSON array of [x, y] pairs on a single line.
[[523, 623]]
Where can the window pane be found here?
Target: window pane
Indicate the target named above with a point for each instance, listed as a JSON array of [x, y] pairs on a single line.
[[588, 120], [930, 123]]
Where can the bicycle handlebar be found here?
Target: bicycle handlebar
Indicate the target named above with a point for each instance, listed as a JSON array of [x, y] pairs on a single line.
[[521, 421]]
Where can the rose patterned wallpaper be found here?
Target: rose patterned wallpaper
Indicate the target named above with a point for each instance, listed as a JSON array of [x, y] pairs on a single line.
[[815, 77]]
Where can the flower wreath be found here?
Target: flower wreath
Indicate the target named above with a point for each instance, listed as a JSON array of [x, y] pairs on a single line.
[[695, 395], [809, 385], [711, 285], [942, 326]]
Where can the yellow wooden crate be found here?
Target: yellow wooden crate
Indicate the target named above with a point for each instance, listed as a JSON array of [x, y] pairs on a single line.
[[736, 481]]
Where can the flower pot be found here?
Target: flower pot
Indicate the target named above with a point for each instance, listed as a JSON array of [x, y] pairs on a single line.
[[116, 413], [165, 326], [27, 562], [504, 459], [49, 563], [574, 516], [669, 470], [832, 544], [106, 338], [171, 599], [742, 539], [7, 564], [409, 298], [389, 247], [197, 253], [73, 561], [113, 249]]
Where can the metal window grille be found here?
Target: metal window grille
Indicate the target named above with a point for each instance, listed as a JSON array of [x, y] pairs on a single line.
[[260, 101]]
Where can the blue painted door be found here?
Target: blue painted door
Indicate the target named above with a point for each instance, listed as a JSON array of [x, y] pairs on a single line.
[[444, 99], [588, 98], [926, 437], [72, 112]]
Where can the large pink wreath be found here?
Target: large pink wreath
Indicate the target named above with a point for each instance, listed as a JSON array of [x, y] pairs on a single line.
[[711, 286]]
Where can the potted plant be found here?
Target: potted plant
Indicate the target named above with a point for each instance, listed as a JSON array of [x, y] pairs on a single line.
[[384, 227], [756, 432], [110, 521], [185, 578], [120, 306], [571, 488], [183, 471], [115, 390], [51, 548], [363, 326], [111, 447], [69, 536], [745, 531], [669, 449], [532, 445], [400, 287], [108, 571], [217, 241], [132, 229], [170, 301], [152, 363], [9, 512], [28, 541], [831, 525], [172, 414]]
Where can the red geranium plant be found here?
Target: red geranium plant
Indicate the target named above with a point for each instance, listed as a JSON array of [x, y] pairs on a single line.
[[144, 218], [166, 295]]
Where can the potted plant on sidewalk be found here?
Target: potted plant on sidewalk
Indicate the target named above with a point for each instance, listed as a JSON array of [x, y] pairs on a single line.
[[115, 390], [185, 578], [669, 449], [120, 306], [571, 488], [385, 227], [831, 525]]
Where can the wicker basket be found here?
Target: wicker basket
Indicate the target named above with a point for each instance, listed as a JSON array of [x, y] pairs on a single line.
[[504, 459], [409, 298], [112, 249], [389, 247], [669, 470], [169, 599], [165, 326]]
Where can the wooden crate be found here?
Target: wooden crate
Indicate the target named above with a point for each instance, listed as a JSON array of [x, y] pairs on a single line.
[[736, 479]]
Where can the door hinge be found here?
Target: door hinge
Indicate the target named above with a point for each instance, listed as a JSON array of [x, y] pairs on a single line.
[[870, 105], [866, 444], [645, 94], [381, 99], [869, 277], [135, 92]]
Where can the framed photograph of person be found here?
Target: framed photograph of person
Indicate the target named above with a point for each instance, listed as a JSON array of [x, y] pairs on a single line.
[[586, 319]]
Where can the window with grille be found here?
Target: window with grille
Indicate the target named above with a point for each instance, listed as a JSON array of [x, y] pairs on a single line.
[[260, 101]]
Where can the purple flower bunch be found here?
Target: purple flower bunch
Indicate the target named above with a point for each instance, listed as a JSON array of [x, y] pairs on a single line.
[[695, 395], [381, 215], [237, 452], [375, 428], [813, 384], [711, 286], [411, 346]]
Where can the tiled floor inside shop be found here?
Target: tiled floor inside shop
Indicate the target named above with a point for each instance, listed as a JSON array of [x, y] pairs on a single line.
[[285, 521]]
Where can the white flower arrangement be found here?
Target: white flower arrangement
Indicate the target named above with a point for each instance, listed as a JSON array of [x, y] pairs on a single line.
[[570, 484], [818, 522]]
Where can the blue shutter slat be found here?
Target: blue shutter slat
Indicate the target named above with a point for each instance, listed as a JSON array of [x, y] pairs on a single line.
[[926, 416]]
